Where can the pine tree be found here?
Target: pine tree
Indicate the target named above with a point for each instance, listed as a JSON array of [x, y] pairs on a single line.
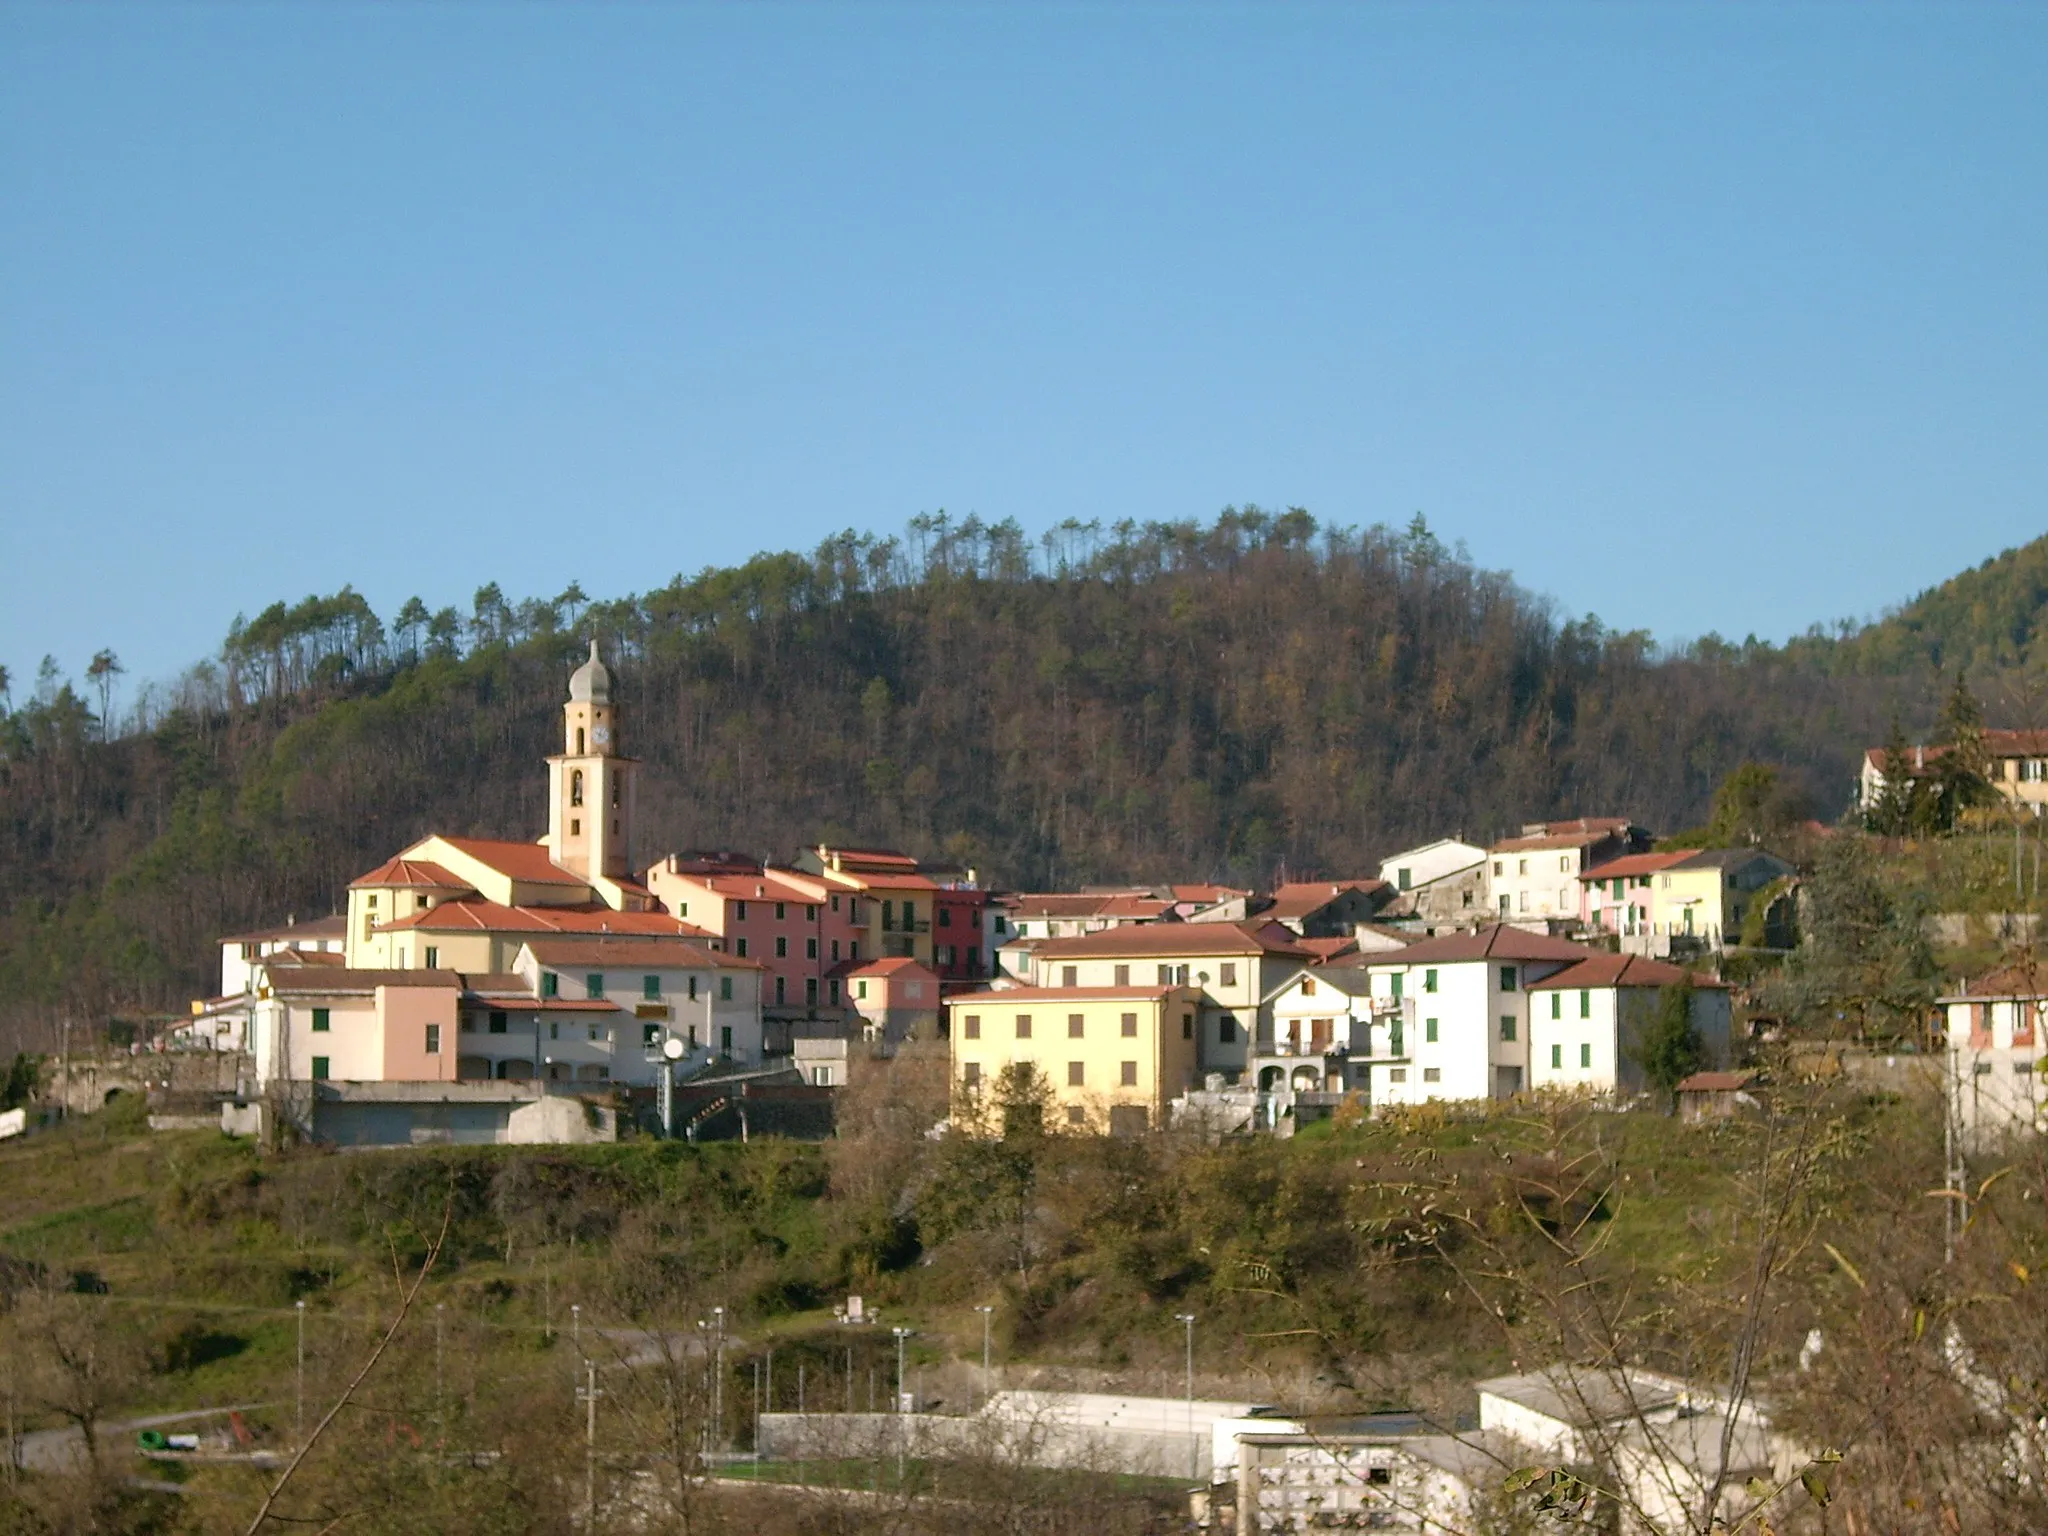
[[1670, 1050], [1961, 777], [1892, 812]]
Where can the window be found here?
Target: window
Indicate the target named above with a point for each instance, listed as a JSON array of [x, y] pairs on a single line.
[[575, 825], [1397, 980], [781, 947], [433, 957], [834, 986], [650, 986], [1429, 979], [1308, 986], [693, 989], [1564, 864], [972, 1026], [1394, 1039], [781, 911], [1432, 1074], [1226, 973], [321, 1021], [1130, 1074], [1076, 1115], [1402, 878], [1226, 1029], [1429, 1031], [725, 989], [319, 1069], [1076, 1024], [740, 948], [860, 989], [888, 915], [1507, 978], [433, 1039], [1556, 1056], [1070, 976], [469, 1024], [1521, 866], [550, 984], [1522, 900], [576, 787], [1586, 1054], [1507, 1026], [1397, 1074], [593, 985], [1123, 975], [1023, 1026], [835, 903], [650, 1037], [781, 990], [1166, 976], [821, 1077], [1129, 1026], [499, 1021], [725, 1039], [970, 1073], [554, 1030], [1557, 1005], [810, 949], [945, 917], [974, 959], [1585, 1003], [1499, 866], [1187, 1025], [1077, 1076], [810, 913]]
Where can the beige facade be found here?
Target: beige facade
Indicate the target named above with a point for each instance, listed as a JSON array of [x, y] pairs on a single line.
[[1112, 1058]]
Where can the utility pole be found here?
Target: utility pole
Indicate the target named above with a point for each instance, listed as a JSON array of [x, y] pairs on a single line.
[[299, 1390], [576, 1327], [718, 1374], [1194, 1449], [440, 1413], [589, 1396], [987, 1313]]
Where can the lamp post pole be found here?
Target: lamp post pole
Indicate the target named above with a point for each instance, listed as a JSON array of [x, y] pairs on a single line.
[[902, 1430], [718, 1373], [987, 1313], [1194, 1459], [299, 1389]]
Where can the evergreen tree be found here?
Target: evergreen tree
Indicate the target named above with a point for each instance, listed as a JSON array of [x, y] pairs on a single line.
[[1670, 1050], [1865, 969], [1961, 776], [1894, 811]]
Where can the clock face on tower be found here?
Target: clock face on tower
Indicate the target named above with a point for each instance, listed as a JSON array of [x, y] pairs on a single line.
[[600, 734]]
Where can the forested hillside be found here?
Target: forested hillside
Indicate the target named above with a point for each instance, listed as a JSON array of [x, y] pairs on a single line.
[[1165, 700]]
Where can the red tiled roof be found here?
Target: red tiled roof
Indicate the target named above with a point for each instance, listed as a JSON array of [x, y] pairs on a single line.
[[1145, 940], [1999, 743], [1206, 893], [335, 927], [764, 886], [1302, 897], [1499, 942], [2010, 981], [1603, 969], [410, 872], [1637, 864], [1564, 834], [1323, 951], [325, 981], [663, 954], [525, 862], [290, 958], [479, 916], [1058, 995], [891, 966]]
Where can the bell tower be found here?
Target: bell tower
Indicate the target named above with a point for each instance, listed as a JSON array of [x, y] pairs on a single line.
[[590, 785]]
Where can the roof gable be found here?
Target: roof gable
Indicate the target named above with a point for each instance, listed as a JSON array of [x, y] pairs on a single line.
[[1499, 942]]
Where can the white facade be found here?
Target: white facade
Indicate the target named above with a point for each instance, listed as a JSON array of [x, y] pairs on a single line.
[[1995, 1063], [1452, 1029], [715, 1009], [1234, 986], [1534, 882], [1416, 867], [1584, 1038]]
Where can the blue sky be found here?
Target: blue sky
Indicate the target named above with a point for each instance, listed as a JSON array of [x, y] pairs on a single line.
[[1721, 317]]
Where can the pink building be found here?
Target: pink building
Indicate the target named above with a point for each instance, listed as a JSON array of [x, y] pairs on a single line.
[[797, 926], [1617, 895], [897, 997]]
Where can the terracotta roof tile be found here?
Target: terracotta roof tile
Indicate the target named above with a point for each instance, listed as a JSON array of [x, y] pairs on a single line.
[[402, 871], [1637, 864], [528, 863], [1602, 969], [474, 915], [1499, 942], [662, 954], [1145, 940]]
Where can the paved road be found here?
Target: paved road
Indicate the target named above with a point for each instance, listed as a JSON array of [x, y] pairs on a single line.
[[54, 1450]]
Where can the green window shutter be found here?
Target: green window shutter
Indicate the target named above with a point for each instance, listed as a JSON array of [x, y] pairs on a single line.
[[650, 986], [1557, 1056], [1429, 979], [1557, 1005], [593, 984], [1429, 1031], [1397, 979], [725, 989], [1585, 1003], [322, 1020], [1585, 1053], [1507, 1026], [550, 984], [1507, 978], [319, 1069]]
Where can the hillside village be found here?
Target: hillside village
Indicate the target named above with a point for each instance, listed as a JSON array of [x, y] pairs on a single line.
[[578, 985]]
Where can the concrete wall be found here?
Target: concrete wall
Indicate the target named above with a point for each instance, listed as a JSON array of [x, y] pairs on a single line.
[[1010, 1441]]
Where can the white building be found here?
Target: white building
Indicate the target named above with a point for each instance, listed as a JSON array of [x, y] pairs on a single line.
[[1995, 1026], [1587, 1021], [1536, 875], [1451, 1014]]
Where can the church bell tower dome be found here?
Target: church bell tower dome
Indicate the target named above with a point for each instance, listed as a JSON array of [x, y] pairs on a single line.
[[591, 683]]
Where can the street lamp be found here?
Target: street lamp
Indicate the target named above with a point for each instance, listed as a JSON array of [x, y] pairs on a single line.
[[901, 1429], [1194, 1467], [987, 1314], [718, 1368]]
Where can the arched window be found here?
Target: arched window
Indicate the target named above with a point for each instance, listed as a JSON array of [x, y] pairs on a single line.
[[579, 741], [576, 786]]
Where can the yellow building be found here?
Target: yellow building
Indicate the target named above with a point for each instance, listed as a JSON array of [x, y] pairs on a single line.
[[894, 901], [1111, 1058], [468, 903], [1706, 896]]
